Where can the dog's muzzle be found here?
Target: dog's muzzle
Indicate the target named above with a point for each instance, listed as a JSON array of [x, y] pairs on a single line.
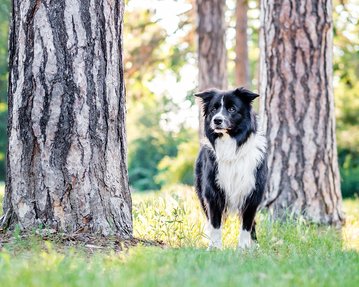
[[219, 124]]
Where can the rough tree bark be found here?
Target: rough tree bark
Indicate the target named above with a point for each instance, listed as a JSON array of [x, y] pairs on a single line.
[[212, 53], [66, 165], [242, 63], [298, 110]]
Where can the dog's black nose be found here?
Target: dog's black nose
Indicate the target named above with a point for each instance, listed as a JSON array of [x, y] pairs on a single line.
[[217, 121]]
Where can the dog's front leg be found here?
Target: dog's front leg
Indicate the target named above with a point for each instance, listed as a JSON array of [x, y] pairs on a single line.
[[215, 210], [247, 236]]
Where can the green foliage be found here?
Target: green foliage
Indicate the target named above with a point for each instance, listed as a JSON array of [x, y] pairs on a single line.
[[150, 143], [145, 154], [346, 76], [179, 169], [149, 54], [349, 172], [4, 22], [347, 108], [290, 254]]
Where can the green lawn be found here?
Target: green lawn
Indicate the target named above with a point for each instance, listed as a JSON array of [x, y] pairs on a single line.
[[290, 254]]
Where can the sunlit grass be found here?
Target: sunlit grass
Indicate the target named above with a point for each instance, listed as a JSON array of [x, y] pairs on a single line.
[[174, 216], [291, 254], [350, 232]]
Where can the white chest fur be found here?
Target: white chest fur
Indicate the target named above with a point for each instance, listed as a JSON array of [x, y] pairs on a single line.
[[237, 167]]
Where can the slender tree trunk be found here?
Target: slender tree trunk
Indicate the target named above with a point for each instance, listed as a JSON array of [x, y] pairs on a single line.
[[242, 63], [212, 53], [67, 144], [298, 109]]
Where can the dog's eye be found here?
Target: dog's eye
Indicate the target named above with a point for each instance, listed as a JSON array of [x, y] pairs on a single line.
[[232, 109], [213, 109]]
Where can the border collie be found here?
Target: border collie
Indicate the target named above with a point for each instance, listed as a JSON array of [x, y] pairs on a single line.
[[231, 168]]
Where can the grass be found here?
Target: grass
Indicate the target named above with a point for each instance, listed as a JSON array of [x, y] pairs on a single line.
[[290, 254]]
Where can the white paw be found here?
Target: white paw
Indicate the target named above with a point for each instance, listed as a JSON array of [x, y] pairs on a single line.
[[214, 246], [215, 237], [245, 240], [245, 245]]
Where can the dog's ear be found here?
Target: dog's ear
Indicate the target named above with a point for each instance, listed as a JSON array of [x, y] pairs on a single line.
[[206, 97], [245, 94]]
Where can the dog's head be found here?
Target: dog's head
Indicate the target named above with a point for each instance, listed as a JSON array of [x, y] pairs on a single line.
[[227, 111]]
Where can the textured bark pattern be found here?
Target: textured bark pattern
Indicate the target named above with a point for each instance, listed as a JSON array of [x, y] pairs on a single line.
[[298, 109], [242, 65], [67, 146], [212, 53]]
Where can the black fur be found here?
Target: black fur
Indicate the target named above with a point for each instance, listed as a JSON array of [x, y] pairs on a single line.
[[238, 120]]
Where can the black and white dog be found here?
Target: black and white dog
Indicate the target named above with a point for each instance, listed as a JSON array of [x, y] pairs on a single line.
[[231, 168]]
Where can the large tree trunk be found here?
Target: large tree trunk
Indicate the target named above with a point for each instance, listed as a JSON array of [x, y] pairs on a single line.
[[242, 63], [67, 146], [298, 110], [212, 53]]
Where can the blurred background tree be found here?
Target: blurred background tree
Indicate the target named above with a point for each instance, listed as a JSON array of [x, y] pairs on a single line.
[[161, 75], [242, 65], [211, 47]]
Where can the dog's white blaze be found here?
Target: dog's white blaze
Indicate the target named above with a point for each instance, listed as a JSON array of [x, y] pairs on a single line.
[[245, 240], [219, 115], [214, 235], [237, 167]]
